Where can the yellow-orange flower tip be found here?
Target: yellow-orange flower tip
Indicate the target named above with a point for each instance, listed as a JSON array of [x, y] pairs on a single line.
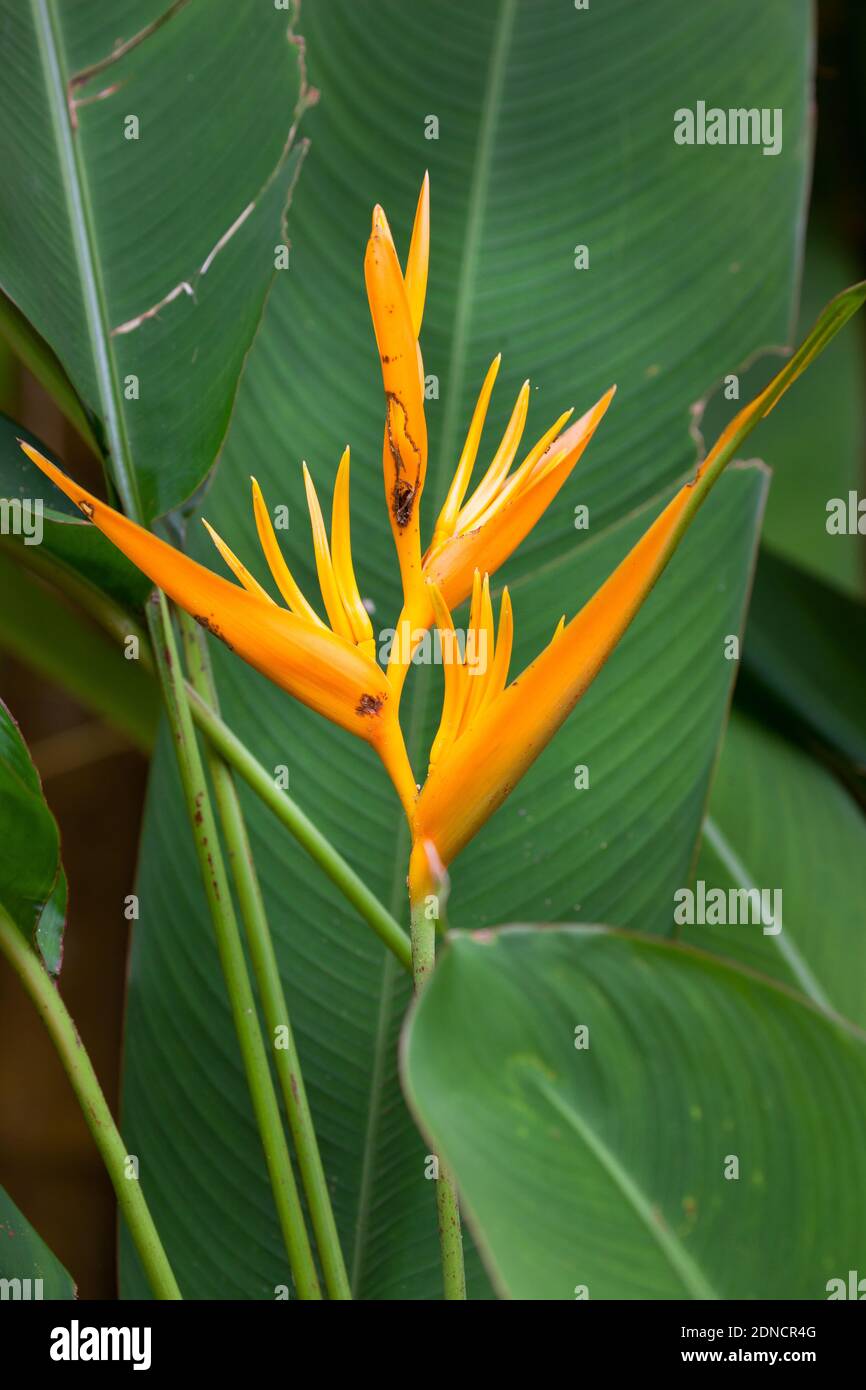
[[404, 454], [322, 669], [418, 259], [380, 223]]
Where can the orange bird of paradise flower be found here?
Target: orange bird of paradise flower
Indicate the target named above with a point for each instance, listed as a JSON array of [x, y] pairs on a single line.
[[491, 730]]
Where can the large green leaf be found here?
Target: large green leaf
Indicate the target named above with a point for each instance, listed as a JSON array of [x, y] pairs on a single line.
[[603, 1159], [32, 882], [25, 1257], [803, 658], [777, 821], [147, 251], [66, 542], [555, 128], [35, 354]]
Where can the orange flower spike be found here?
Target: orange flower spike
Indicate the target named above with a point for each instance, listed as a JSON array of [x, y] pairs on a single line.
[[455, 679], [481, 532], [488, 541], [492, 751], [447, 522], [324, 566], [467, 538], [320, 668], [502, 461], [501, 657], [239, 570], [404, 453], [418, 260], [473, 683], [479, 655], [283, 577], [344, 570]]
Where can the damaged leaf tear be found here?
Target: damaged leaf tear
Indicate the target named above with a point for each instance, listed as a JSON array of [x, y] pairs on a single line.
[[307, 97], [122, 47]]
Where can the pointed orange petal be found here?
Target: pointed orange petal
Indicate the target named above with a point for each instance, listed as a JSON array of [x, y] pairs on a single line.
[[455, 679], [489, 546], [283, 576], [418, 258], [447, 520], [406, 429], [319, 668], [240, 570], [344, 571], [498, 746], [480, 656], [381, 225], [324, 568], [502, 656], [523, 475], [502, 460]]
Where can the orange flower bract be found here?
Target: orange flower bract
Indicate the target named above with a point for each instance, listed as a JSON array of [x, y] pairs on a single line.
[[331, 671], [491, 730]]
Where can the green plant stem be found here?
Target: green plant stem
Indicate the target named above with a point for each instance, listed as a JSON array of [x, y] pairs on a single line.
[[267, 974], [111, 401], [450, 1236], [447, 1205], [238, 756], [78, 1067], [233, 961]]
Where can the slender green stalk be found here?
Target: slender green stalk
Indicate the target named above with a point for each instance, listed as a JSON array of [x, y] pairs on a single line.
[[233, 961], [447, 1206], [423, 945], [78, 1067], [267, 973], [450, 1237], [238, 756]]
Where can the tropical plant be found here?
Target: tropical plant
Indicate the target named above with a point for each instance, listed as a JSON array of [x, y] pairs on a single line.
[[599, 1102]]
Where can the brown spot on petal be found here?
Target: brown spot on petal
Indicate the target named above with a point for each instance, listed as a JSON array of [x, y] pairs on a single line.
[[405, 487], [211, 626], [370, 704], [402, 502]]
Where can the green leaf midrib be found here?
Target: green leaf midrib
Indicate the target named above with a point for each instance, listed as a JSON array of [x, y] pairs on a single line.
[[418, 702], [793, 958], [84, 246], [678, 1258]]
